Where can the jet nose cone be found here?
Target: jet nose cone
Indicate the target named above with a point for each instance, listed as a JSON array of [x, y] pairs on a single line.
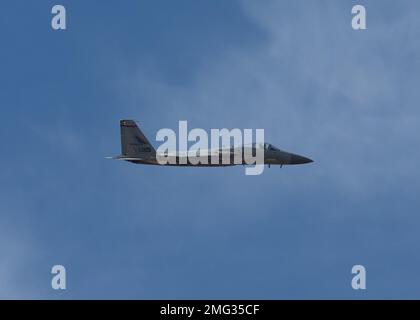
[[297, 159]]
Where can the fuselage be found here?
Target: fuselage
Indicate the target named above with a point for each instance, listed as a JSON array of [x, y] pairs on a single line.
[[223, 157]]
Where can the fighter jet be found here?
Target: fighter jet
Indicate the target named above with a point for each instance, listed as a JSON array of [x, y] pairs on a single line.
[[135, 148]]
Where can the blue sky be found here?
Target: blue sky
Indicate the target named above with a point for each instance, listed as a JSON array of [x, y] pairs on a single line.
[[347, 99]]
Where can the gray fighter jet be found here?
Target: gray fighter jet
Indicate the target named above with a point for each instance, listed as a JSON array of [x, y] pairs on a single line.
[[137, 149]]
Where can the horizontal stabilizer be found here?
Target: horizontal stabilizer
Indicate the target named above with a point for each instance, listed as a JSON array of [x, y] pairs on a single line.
[[124, 158]]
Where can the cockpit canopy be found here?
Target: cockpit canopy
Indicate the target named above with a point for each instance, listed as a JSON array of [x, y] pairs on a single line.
[[265, 146]]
